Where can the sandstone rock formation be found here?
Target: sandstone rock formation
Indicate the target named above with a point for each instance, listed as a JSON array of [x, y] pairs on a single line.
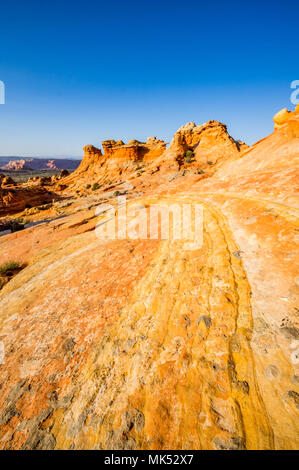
[[64, 173], [208, 143], [134, 151], [16, 198], [6, 180], [288, 122], [118, 160], [144, 344]]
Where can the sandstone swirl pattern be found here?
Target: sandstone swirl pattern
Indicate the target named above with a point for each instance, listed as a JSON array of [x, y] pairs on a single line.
[[141, 344]]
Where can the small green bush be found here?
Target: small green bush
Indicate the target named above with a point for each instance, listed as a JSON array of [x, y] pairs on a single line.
[[95, 186], [88, 186], [10, 266], [189, 156], [23, 221]]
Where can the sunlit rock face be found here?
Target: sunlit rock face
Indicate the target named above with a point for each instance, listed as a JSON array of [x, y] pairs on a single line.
[[210, 144], [142, 343], [287, 122], [134, 150], [200, 148], [209, 140], [118, 162]]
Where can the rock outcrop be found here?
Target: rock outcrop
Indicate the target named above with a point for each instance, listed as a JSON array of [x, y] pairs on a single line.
[[134, 151], [118, 161], [207, 145], [287, 122], [6, 180], [15, 199], [137, 343]]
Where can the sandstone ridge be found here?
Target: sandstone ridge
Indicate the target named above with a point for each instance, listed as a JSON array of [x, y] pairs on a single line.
[[210, 144], [118, 159]]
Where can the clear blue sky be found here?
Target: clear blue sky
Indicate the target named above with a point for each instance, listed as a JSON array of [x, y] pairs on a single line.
[[79, 72]]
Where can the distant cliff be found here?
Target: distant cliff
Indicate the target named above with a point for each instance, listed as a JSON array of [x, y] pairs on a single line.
[[14, 164]]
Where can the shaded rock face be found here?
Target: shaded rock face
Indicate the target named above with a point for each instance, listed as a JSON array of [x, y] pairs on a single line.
[[64, 173], [144, 344], [6, 180]]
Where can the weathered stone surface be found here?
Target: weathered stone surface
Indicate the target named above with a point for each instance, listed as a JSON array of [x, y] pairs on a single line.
[[6, 180], [142, 344], [134, 150], [118, 162], [15, 199], [209, 144]]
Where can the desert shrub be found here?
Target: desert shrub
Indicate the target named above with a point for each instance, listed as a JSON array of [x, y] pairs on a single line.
[[189, 156], [16, 225], [23, 221], [209, 162], [95, 186], [31, 211], [88, 186], [9, 266]]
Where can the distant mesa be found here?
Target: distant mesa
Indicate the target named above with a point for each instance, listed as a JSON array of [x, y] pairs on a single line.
[[23, 164]]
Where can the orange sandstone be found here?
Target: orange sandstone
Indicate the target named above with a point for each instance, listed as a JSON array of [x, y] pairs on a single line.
[[142, 344]]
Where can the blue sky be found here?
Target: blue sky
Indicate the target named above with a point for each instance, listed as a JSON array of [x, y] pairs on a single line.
[[77, 72]]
